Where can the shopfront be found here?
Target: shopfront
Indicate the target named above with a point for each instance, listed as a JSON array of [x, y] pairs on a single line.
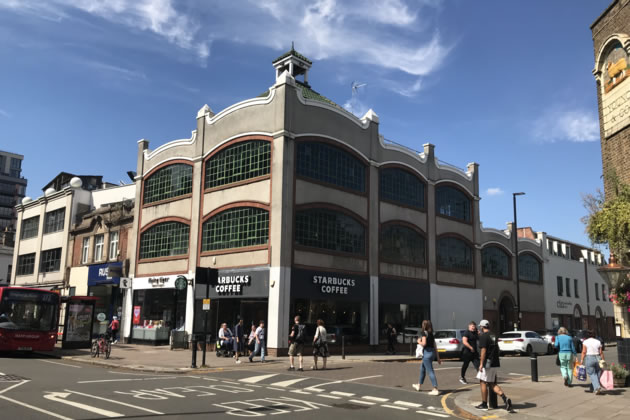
[[341, 300], [159, 306], [404, 303], [106, 290], [237, 294]]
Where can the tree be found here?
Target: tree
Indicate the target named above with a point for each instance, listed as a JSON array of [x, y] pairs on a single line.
[[608, 221]]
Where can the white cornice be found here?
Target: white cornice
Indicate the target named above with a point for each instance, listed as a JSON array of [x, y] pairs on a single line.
[[363, 123], [174, 143], [240, 105]]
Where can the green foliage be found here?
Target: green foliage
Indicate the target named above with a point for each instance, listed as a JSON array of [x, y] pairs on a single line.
[[608, 221], [619, 372]]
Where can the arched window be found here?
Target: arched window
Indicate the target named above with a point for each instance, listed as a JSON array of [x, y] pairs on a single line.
[[452, 202], [495, 262], [238, 227], [454, 254], [241, 161], [164, 240], [528, 268], [402, 187], [329, 229], [402, 244], [330, 164], [168, 182]]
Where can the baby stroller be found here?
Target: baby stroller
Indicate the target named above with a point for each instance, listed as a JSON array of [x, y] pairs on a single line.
[[225, 350]]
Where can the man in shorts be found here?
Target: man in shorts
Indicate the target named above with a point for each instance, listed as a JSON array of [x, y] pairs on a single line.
[[296, 340], [488, 366]]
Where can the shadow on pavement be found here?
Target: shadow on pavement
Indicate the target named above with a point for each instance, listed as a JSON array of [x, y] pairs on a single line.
[[523, 406]]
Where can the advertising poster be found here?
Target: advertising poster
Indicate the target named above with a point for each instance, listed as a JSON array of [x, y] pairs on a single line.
[[136, 315], [79, 326]]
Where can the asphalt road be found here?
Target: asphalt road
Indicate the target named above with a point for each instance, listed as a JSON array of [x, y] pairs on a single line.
[[35, 387]]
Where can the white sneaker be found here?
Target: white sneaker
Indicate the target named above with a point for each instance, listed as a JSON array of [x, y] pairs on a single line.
[[238, 362], [434, 392], [416, 387]]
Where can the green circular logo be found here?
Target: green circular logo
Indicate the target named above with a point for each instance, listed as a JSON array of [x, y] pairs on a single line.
[[181, 282]]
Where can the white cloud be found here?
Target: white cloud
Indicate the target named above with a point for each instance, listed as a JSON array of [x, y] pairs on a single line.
[[109, 69], [392, 35], [409, 90], [494, 191], [566, 125], [356, 106]]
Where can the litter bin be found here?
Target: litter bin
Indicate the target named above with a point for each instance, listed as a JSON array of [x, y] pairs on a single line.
[[179, 339]]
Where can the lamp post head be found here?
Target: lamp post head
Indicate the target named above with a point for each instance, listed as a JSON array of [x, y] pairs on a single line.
[[518, 193]]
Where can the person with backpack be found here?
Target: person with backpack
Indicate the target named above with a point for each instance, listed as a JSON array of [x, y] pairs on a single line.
[[488, 366], [296, 346]]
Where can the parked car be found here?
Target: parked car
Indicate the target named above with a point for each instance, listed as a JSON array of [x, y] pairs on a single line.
[[449, 342], [550, 338], [409, 334], [583, 335], [522, 342]]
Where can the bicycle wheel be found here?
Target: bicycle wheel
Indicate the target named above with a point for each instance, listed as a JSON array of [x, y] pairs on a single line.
[[94, 349], [108, 349]]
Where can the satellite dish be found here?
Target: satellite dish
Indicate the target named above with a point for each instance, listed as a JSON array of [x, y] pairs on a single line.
[[49, 191], [76, 182]]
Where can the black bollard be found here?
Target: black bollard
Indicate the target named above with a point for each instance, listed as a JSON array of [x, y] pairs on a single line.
[[194, 351], [534, 359], [492, 396], [343, 347]]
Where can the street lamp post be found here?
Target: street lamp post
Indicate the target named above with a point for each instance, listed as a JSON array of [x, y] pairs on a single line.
[[518, 281]]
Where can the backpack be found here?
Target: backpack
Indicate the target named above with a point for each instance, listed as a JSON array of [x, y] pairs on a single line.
[[299, 338]]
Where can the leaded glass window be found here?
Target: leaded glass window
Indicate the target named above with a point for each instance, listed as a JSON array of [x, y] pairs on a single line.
[[30, 227], [528, 268], [51, 260], [329, 229], [169, 182], [236, 228], [164, 240], [452, 202], [453, 253], [495, 262], [402, 187], [25, 264], [402, 244], [54, 220], [246, 160], [330, 164]]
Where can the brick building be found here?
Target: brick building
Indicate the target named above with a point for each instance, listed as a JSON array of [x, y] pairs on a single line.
[[611, 42]]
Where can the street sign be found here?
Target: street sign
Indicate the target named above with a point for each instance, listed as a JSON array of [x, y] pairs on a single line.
[[206, 304], [125, 283]]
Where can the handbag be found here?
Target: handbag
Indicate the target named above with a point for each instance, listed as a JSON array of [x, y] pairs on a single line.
[[419, 351], [557, 359], [575, 368], [607, 380]]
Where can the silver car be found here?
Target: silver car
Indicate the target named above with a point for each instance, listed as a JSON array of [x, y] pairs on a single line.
[[449, 343]]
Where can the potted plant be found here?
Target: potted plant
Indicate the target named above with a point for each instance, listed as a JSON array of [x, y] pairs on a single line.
[[620, 375]]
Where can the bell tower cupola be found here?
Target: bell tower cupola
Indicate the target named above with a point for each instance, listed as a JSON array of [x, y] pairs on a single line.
[[293, 62]]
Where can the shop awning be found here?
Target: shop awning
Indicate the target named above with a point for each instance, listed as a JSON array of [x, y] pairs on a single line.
[[98, 274]]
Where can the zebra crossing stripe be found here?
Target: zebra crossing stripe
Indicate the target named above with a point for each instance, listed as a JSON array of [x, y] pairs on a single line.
[[395, 406], [361, 402], [284, 384], [256, 379], [432, 413], [377, 399], [408, 404], [343, 394]]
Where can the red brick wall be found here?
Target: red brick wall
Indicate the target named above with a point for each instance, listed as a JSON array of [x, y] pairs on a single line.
[[76, 251]]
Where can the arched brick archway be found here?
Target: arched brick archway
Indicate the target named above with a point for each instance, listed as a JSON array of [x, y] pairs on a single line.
[[506, 313]]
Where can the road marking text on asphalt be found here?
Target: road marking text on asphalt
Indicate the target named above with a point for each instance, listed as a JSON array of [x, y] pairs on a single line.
[[62, 364], [61, 397], [32, 407], [281, 405], [115, 402]]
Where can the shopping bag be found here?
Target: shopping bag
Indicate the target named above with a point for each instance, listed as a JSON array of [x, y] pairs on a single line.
[[581, 374], [419, 351], [606, 380], [575, 369]]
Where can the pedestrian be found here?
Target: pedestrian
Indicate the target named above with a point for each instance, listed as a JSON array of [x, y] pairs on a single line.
[[251, 340], [239, 340], [566, 353], [259, 336], [591, 355], [427, 341], [488, 366], [320, 345], [114, 326], [391, 338], [226, 338], [296, 346], [470, 353]]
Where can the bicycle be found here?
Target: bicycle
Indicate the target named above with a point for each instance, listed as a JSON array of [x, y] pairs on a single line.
[[103, 344]]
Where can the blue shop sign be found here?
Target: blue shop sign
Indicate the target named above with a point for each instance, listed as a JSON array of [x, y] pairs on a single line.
[[97, 274]]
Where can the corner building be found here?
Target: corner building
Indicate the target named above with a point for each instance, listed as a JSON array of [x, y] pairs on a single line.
[[304, 209]]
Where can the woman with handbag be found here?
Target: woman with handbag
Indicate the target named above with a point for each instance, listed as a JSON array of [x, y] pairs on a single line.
[[591, 356], [320, 346], [430, 353], [566, 353]]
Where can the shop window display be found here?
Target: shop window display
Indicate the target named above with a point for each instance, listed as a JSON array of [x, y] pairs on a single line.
[[407, 319], [156, 313]]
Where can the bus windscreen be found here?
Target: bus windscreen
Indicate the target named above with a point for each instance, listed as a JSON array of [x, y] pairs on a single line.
[[28, 310]]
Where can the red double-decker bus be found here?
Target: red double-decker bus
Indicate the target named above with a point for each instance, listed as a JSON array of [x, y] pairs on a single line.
[[28, 319]]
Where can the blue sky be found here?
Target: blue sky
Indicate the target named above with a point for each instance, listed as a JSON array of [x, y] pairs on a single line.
[[505, 84]]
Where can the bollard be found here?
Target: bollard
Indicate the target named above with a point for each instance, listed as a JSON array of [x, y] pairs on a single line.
[[343, 347], [534, 359], [492, 396], [203, 354], [194, 351]]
